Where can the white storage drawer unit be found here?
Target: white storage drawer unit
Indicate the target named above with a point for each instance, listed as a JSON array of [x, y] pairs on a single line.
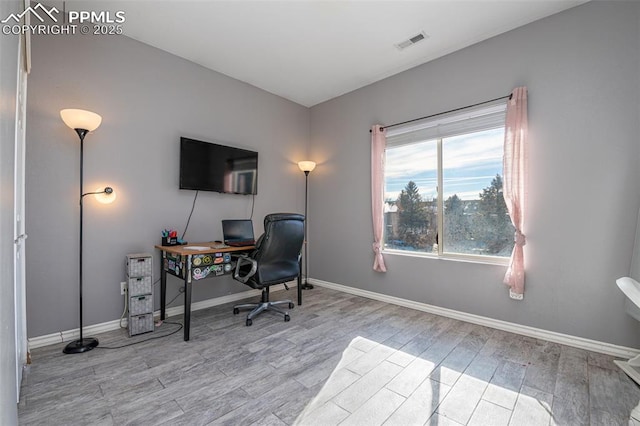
[[139, 269]]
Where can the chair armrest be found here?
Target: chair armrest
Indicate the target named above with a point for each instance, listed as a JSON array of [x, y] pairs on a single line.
[[244, 259]]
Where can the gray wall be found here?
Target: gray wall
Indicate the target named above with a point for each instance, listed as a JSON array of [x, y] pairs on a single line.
[[8, 81], [148, 99], [581, 68]]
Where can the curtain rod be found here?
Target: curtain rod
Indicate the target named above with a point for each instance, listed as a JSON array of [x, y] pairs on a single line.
[[446, 112]]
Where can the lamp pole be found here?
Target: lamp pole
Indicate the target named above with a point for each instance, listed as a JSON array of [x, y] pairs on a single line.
[[81, 345], [306, 167], [306, 285]]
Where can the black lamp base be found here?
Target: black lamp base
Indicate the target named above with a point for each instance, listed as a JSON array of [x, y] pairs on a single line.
[[81, 345], [307, 286]]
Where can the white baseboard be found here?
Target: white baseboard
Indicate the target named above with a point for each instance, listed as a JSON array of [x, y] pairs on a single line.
[[68, 335], [551, 336], [564, 339]]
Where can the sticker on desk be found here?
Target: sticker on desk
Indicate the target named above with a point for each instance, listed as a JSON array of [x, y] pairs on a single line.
[[202, 260], [201, 273], [218, 269], [198, 273]]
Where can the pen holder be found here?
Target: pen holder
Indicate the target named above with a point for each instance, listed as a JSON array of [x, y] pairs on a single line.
[[169, 241]]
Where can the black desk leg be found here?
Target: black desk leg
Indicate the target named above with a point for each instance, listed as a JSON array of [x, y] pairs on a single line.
[[163, 288], [300, 284], [187, 299], [187, 308]]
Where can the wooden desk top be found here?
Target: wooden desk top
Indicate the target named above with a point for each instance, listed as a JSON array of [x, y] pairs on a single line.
[[184, 249]]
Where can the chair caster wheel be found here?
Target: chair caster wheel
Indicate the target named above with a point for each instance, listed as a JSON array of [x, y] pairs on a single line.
[[249, 322], [287, 318], [291, 305], [236, 311]]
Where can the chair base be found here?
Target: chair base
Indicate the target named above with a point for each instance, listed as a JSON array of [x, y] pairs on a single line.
[[264, 305]]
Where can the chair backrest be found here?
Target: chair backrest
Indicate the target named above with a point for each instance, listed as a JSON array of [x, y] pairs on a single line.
[[278, 249]]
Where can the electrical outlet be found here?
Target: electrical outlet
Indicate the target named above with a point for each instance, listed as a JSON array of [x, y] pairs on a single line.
[[515, 296], [123, 288]]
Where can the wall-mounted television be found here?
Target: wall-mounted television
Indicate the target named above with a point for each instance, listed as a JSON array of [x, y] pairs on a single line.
[[206, 166]]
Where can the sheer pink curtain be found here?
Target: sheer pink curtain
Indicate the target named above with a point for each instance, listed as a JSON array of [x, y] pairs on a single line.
[[515, 181], [378, 142]]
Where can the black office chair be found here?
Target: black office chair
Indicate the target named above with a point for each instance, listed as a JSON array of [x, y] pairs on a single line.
[[275, 260]]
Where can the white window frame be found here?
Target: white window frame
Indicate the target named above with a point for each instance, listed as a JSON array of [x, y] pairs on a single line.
[[478, 118]]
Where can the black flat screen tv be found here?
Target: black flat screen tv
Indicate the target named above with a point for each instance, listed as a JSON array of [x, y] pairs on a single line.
[[206, 166]]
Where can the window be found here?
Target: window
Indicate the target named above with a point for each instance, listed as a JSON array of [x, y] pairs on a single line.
[[443, 185]]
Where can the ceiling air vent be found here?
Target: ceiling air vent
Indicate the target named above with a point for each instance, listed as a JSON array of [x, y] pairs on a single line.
[[411, 41]]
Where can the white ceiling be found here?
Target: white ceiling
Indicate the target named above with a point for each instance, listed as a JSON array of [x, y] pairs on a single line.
[[312, 51]]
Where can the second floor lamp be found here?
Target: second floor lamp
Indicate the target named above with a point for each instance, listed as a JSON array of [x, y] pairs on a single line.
[[84, 122], [306, 167]]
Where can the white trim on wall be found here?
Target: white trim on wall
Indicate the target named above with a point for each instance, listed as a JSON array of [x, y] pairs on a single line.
[[551, 336]]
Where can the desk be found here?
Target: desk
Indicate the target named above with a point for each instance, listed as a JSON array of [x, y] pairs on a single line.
[[194, 265]]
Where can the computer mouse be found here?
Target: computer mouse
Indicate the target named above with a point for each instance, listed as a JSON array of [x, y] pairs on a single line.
[[218, 241]]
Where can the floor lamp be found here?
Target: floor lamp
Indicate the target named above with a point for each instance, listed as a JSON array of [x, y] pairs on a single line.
[[84, 122], [306, 167]]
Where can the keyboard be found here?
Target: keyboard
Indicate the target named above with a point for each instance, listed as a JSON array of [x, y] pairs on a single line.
[[219, 246]]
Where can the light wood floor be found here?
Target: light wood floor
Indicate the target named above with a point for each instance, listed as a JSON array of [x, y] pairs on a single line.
[[342, 359]]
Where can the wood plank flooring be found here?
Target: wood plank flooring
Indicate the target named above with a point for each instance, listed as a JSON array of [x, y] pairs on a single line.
[[342, 359]]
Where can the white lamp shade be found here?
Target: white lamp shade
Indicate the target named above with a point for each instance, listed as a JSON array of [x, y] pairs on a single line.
[[81, 119], [306, 166], [105, 198]]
